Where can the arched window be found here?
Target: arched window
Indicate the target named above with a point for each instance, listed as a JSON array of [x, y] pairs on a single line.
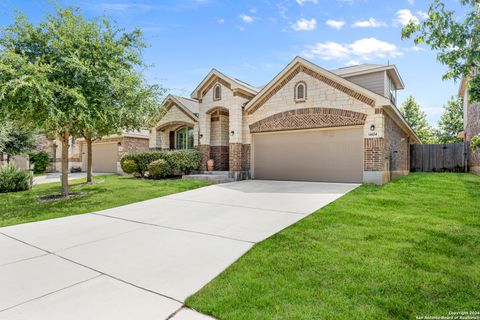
[[300, 91], [217, 92], [184, 139]]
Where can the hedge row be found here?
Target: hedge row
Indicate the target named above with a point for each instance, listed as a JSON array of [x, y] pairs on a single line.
[[13, 179], [175, 162]]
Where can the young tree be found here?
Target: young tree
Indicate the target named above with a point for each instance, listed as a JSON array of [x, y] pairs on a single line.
[[56, 76], [451, 122], [417, 119], [456, 40]]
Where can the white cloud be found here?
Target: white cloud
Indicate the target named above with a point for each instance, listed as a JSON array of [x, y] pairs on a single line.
[[123, 6], [245, 18], [328, 51], [370, 23], [422, 14], [301, 2], [335, 24], [304, 25], [364, 49], [221, 21], [404, 16], [411, 2]]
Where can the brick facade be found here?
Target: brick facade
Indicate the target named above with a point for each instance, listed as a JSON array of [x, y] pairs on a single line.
[[373, 154], [220, 156], [236, 156], [205, 151], [246, 157], [472, 128], [396, 149], [308, 118]]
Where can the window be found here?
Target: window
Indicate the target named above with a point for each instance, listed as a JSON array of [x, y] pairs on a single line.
[[184, 138], [300, 91], [217, 92]]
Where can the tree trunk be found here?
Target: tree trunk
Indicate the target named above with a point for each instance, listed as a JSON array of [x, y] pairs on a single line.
[[89, 160], [64, 179], [8, 159]]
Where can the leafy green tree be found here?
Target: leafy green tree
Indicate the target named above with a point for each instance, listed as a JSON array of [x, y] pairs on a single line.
[[50, 77], [18, 143], [456, 40], [451, 122], [108, 64], [417, 119]]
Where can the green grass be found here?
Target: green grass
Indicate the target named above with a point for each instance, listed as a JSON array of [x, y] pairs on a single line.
[[108, 192], [409, 248]]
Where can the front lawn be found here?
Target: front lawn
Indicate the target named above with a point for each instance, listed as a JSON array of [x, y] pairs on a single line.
[[108, 192], [408, 249]]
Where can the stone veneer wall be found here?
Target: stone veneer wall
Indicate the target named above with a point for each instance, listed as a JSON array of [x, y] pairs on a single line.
[[131, 144], [472, 128], [236, 156]]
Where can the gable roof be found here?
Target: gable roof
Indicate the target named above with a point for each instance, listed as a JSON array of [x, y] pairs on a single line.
[[366, 68], [213, 76], [340, 83], [188, 106]]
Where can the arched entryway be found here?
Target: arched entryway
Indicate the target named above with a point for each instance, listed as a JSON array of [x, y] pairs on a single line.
[[219, 138]]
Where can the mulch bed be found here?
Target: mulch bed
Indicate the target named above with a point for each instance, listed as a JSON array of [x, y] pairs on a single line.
[[56, 197]]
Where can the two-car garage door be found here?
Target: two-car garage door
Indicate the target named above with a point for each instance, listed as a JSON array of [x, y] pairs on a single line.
[[333, 155], [105, 157]]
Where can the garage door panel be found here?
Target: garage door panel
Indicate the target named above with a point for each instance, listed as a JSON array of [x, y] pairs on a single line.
[[105, 157], [322, 155]]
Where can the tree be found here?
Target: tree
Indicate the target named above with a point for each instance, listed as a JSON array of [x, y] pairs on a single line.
[[108, 66], [417, 119], [451, 122], [17, 143], [456, 40], [50, 74]]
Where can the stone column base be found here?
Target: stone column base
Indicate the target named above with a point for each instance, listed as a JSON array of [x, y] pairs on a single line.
[[239, 175], [205, 150], [376, 177]]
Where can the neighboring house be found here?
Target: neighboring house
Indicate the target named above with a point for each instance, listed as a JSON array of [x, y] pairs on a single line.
[[108, 151], [306, 124], [22, 161], [471, 123]]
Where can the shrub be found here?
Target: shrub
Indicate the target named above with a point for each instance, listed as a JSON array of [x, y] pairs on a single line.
[[142, 160], [40, 161], [129, 167], [475, 143], [159, 169], [181, 161], [13, 179], [184, 161]]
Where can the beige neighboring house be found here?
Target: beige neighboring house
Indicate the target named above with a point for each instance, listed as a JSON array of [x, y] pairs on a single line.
[[306, 124], [471, 124], [108, 151]]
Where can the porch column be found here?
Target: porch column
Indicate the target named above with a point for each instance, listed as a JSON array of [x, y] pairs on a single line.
[[235, 141], [204, 138]]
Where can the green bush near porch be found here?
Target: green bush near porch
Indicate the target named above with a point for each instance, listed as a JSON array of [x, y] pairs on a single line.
[[180, 161]]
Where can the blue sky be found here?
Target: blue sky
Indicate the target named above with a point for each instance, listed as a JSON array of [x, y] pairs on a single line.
[[254, 40]]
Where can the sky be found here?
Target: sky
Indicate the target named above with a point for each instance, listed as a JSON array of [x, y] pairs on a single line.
[[254, 40]]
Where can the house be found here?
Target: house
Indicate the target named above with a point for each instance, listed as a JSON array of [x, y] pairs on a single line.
[[306, 124], [471, 123]]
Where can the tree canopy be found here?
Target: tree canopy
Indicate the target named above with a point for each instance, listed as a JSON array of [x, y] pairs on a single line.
[[417, 119], [69, 76], [457, 40], [451, 122]]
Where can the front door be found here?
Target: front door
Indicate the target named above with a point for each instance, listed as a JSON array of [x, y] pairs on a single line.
[[172, 140]]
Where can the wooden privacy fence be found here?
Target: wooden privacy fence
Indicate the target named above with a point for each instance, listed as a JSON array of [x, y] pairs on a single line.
[[438, 157]]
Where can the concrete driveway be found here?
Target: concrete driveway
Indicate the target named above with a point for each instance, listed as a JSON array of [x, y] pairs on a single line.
[[141, 261]]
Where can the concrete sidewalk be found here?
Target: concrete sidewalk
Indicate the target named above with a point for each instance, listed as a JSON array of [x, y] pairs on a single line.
[[141, 261], [55, 177]]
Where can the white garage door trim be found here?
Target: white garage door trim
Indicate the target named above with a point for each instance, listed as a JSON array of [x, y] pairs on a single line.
[[355, 174]]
